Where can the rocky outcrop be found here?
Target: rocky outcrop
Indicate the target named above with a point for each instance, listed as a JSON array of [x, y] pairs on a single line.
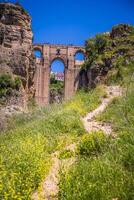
[[105, 52], [16, 45], [121, 30]]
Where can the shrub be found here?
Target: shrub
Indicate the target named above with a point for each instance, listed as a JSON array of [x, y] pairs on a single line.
[[100, 42], [17, 83], [6, 81], [8, 84], [93, 144]]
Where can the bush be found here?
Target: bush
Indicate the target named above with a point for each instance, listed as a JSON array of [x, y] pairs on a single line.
[[100, 42], [93, 144], [17, 83], [6, 81], [8, 84]]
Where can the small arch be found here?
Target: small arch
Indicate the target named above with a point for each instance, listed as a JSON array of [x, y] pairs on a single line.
[[79, 55], [37, 53]]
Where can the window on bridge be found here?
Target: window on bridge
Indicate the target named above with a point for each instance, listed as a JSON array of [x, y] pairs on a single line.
[[57, 81], [79, 56], [37, 53]]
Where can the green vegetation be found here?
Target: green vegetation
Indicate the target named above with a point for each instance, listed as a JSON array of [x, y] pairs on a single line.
[[55, 84], [105, 168], [100, 178], [107, 49], [56, 90], [66, 154], [25, 151], [105, 165], [9, 86], [93, 144], [82, 104], [121, 74]]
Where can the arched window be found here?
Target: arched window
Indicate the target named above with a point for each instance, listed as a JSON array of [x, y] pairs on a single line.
[[57, 81], [79, 56], [57, 66], [37, 53]]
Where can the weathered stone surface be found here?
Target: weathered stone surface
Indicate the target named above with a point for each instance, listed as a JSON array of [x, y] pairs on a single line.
[[119, 48], [71, 71], [16, 55], [121, 30]]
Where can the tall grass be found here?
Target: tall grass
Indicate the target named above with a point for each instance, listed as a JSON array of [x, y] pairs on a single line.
[[26, 147], [109, 175]]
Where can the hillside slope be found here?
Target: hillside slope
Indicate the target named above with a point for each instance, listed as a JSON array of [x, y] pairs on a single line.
[[103, 166], [106, 54]]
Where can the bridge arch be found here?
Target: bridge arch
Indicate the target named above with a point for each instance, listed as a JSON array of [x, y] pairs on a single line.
[[61, 59], [80, 55], [39, 50], [57, 80], [51, 53]]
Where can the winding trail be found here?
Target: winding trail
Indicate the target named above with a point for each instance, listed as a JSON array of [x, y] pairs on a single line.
[[49, 190], [89, 121]]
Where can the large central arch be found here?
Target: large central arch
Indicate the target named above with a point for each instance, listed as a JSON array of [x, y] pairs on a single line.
[[42, 76], [57, 81]]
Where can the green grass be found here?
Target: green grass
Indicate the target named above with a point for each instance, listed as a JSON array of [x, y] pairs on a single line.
[[107, 175], [82, 104], [120, 74], [27, 145], [93, 144], [99, 178]]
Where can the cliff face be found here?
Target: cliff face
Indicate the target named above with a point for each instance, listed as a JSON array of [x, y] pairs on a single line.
[[106, 53], [16, 44]]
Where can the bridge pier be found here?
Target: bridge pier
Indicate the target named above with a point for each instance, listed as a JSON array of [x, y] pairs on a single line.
[[42, 75]]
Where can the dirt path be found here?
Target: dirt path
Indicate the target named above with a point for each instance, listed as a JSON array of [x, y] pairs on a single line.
[[89, 121], [49, 190]]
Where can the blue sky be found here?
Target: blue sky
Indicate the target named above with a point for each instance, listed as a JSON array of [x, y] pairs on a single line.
[[73, 21]]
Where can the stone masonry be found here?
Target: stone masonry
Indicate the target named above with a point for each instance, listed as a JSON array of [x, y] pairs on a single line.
[[71, 72], [17, 57]]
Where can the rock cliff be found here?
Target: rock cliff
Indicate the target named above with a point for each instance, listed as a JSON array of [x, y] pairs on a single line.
[[107, 52], [16, 56]]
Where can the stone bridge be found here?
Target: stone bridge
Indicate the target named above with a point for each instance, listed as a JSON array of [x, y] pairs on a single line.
[[49, 53]]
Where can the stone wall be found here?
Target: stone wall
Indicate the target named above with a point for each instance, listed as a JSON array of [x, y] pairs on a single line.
[[50, 53]]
